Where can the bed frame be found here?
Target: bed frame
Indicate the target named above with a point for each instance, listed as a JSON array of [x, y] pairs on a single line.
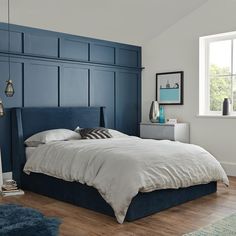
[[28, 121]]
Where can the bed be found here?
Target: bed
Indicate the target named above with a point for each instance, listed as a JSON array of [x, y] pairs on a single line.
[[28, 121]]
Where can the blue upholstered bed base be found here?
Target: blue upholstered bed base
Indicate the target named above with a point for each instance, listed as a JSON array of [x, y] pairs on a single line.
[[144, 204], [28, 121]]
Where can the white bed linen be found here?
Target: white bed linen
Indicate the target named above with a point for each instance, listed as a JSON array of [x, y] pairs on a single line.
[[120, 168], [29, 152]]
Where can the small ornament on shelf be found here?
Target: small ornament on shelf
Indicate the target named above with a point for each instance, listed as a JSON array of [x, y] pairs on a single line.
[[162, 115], [172, 121], [226, 107], [154, 112]]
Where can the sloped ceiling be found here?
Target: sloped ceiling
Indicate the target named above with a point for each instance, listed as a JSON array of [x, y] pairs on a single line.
[[128, 21]]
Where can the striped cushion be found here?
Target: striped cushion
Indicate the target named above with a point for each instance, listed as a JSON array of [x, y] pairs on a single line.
[[95, 133]]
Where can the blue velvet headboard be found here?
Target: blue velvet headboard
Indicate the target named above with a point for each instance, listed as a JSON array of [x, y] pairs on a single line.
[[28, 121]]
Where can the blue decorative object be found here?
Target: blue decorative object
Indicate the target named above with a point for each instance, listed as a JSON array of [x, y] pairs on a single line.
[[162, 115], [169, 94], [17, 220]]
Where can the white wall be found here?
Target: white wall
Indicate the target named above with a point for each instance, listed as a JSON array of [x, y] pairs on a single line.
[[178, 49], [124, 21]]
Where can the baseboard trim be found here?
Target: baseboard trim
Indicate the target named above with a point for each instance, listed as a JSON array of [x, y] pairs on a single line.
[[230, 168], [6, 175]]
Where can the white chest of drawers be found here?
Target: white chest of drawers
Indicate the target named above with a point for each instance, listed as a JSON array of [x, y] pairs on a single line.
[[174, 132]]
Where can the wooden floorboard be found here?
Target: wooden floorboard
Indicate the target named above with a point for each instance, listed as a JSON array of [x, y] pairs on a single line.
[[175, 221]]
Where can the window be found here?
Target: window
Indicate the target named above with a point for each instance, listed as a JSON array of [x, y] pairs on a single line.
[[217, 73]]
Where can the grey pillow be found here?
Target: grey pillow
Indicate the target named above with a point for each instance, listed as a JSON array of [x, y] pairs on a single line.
[[94, 133]]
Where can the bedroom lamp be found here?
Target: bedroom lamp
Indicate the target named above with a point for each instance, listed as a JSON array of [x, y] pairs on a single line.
[[9, 91]]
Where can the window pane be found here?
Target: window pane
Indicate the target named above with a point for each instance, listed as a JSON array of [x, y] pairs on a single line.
[[220, 88], [234, 93], [234, 58], [220, 58]]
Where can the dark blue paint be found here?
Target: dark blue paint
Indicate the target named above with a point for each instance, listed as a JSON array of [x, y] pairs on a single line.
[[74, 82], [102, 53], [127, 102], [74, 49], [5, 140], [41, 45], [128, 57], [102, 92], [15, 42], [40, 85], [16, 76], [53, 69]]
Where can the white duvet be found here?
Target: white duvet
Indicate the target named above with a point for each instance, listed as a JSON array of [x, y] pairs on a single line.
[[121, 167]]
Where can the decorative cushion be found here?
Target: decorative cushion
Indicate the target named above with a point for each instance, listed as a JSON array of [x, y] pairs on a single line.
[[94, 133], [50, 136], [114, 133]]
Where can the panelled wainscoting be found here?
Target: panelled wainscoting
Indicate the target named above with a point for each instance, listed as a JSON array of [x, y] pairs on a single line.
[[51, 69]]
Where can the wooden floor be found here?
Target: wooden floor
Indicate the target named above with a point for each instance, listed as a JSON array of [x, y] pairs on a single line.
[[175, 221]]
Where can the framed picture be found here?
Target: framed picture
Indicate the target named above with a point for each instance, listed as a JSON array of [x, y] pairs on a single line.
[[169, 88]]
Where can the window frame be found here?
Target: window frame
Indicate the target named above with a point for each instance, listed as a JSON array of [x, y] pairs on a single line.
[[204, 78]]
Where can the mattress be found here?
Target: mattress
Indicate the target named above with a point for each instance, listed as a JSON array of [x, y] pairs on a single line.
[[120, 168]]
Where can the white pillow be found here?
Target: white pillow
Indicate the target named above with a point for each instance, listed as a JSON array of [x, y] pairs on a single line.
[[51, 135], [77, 129]]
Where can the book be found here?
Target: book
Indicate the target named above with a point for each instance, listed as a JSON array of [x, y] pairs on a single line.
[[9, 188], [12, 193]]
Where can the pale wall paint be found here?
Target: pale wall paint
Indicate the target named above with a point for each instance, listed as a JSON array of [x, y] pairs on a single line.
[[128, 21], [178, 49]]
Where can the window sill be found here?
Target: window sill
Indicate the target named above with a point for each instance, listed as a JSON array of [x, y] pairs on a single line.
[[217, 116]]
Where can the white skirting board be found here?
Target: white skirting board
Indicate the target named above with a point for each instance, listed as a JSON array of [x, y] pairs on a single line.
[[229, 167]]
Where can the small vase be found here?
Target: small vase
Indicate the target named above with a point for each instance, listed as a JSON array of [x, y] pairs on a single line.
[[226, 107], [154, 112], [162, 115]]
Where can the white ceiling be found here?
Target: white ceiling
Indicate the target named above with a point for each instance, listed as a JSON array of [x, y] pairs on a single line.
[[128, 21]]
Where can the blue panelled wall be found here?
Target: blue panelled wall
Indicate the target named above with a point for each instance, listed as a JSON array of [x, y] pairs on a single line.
[[55, 69]]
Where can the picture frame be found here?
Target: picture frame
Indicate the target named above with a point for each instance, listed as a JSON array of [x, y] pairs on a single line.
[[170, 87]]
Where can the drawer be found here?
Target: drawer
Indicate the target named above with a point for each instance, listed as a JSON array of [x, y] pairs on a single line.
[[157, 132]]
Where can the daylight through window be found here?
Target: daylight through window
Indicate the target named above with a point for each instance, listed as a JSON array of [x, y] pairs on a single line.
[[217, 72]]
